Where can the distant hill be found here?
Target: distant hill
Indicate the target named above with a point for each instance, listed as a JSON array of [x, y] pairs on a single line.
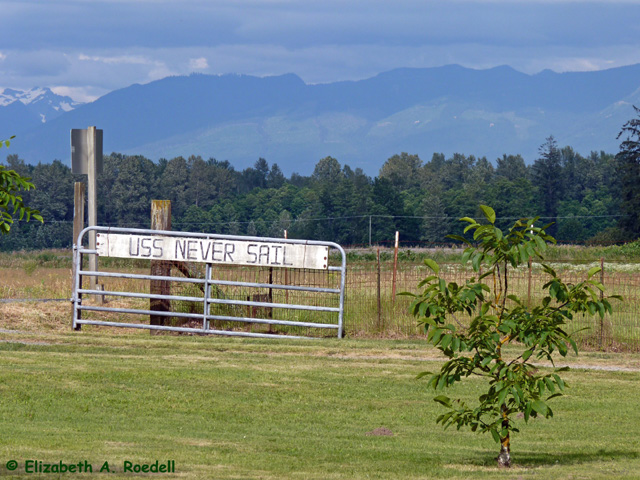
[[446, 109]]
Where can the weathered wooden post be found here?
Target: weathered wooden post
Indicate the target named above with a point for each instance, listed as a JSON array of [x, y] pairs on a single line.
[[380, 326], [601, 298], [160, 220], [86, 159]]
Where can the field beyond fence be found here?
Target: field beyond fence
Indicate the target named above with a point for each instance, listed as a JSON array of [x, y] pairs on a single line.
[[617, 332], [371, 309]]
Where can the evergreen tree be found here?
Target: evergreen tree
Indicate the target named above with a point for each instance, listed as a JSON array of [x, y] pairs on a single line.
[[628, 166], [173, 184], [547, 175]]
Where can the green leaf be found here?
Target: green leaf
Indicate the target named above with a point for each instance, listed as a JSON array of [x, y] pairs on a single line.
[[550, 385], [495, 435], [436, 333], [524, 255], [443, 400], [446, 340], [460, 238], [559, 381], [429, 279], [475, 262], [540, 407], [574, 346], [486, 361], [489, 213], [515, 394], [593, 271], [502, 395], [432, 265], [540, 243]]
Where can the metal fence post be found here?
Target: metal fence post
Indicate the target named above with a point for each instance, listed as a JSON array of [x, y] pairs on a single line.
[[395, 268], [78, 217], [529, 284]]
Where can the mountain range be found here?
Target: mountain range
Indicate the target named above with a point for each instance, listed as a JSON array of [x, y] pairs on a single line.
[[240, 118], [21, 111]]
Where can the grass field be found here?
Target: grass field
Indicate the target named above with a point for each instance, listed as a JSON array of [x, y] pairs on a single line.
[[234, 409]]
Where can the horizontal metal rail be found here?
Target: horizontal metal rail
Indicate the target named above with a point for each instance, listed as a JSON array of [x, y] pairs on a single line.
[[140, 295], [137, 276], [275, 286], [190, 330], [314, 308], [199, 316], [271, 321]]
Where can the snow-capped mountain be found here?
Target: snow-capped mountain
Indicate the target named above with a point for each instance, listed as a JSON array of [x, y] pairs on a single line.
[[240, 118], [21, 111]]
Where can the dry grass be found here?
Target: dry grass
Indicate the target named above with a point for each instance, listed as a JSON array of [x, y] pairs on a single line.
[[17, 282], [28, 277]]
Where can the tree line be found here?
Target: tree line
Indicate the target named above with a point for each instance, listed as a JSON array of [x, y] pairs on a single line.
[[589, 198]]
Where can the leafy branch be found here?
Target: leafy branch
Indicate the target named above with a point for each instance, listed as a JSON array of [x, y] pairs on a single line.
[[11, 202]]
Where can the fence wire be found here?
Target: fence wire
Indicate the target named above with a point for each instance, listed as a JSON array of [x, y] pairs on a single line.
[[365, 315]]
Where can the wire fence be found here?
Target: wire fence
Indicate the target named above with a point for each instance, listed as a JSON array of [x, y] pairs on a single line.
[[371, 308], [369, 313]]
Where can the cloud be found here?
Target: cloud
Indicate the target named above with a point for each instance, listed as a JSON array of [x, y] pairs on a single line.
[[79, 94], [42, 63], [115, 60], [120, 42], [300, 23], [198, 63]]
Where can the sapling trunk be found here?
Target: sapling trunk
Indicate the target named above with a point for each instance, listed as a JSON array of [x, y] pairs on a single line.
[[504, 459]]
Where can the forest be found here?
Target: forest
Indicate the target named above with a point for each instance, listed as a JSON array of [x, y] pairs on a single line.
[[588, 198]]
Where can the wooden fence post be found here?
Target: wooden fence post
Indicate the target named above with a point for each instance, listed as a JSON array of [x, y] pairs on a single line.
[[160, 220], [379, 300], [601, 298]]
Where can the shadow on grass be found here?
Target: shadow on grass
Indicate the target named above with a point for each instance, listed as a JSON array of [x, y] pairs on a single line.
[[541, 459]]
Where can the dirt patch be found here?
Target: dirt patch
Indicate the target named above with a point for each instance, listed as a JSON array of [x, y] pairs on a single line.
[[380, 432]]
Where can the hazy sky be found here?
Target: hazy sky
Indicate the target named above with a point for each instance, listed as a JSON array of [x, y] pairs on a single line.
[[86, 48]]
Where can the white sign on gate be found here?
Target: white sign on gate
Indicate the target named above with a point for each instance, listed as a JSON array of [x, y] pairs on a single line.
[[208, 250]]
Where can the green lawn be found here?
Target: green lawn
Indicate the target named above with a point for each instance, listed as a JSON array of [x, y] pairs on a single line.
[[229, 408]]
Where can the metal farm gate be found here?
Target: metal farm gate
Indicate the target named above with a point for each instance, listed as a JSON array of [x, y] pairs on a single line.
[[210, 284]]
